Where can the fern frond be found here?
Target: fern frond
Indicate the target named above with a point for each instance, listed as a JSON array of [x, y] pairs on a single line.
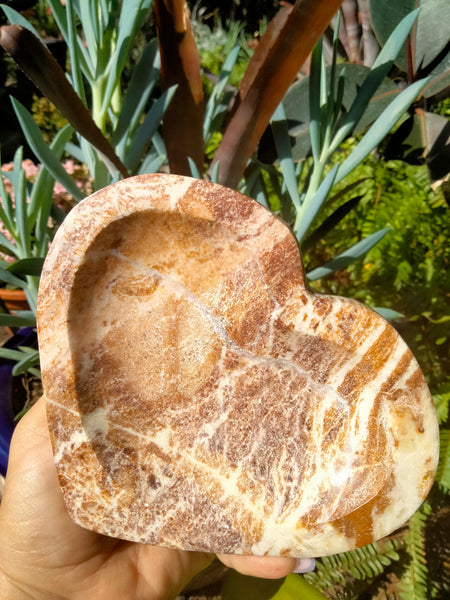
[[415, 582], [443, 471], [361, 564], [442, 402]]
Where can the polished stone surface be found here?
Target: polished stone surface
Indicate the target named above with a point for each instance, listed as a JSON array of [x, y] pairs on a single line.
[[201, 397]]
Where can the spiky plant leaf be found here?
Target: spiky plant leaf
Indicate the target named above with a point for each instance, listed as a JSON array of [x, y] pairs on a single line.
[[39, 65], [180, 66], [273, 67]]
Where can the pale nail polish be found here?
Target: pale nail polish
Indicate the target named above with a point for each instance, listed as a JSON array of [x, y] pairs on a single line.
[[304, 565]]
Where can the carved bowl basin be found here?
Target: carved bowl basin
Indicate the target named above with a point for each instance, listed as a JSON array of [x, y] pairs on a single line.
[[200, 396]]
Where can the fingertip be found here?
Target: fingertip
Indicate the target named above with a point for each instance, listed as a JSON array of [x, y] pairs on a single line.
[[304, 565], [266, 567]]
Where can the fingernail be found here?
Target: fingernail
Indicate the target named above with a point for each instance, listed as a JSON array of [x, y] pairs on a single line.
[[304, 565]]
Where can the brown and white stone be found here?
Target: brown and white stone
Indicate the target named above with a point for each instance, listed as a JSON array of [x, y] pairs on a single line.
[[199, 396]]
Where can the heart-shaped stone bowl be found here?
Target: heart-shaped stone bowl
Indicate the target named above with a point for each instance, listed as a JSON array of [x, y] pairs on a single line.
[[200, 396]]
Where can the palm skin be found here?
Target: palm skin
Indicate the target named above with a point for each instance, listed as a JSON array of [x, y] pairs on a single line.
[[44, 555]]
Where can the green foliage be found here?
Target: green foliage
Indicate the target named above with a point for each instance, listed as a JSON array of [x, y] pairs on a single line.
[[41, 17], [47, 118], [214, 43], [443, 108], [443, 472], [414, 256], [330, 124], [429, 54], [122, 127], [442, 401], [122, 121], [398, 195], [365, 564], [26, 232], [415, 584]]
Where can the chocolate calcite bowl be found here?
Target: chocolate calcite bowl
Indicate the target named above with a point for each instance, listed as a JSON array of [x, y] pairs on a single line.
[[199, 396]]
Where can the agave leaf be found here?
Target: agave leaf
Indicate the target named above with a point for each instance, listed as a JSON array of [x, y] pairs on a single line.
[[180, 65], [91, 30], [430, 35], [26, 266], [42, 151], [86, 154], [213, 106], [40, 66], [439, 78], [75, 52], [152, 163], [59, 13], [251, 185], [381, 127], [291, 46], [312, 205], [348, 256], [41, 197], [376, 75], [143, 136], [283, 146], [15, 18], [214, 176], [30, 359], [422, 137], [11, 279], [194, 171], [21, 206], [386, 91], [295, 103], [9, 353], [387, 313], [315, 88], [330, 223], [6, 246], [132, 15], [6, 207], [158, 144], [141, 84]]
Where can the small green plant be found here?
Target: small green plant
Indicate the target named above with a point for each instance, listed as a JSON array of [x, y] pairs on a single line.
[[24, 242], [111, 129], [303, 188], [114, 128]]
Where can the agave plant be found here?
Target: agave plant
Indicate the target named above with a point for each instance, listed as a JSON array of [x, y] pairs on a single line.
[[365, 28], [114, 131]]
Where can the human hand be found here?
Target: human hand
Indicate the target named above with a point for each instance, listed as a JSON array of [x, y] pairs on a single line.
[[44, 555]]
